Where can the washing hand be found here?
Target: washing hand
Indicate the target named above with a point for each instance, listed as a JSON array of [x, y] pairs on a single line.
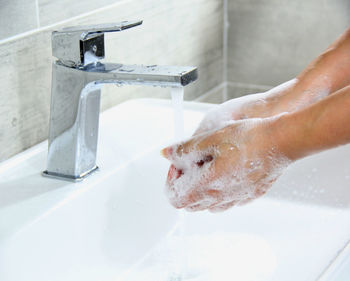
[[231, 162], [240, 161], [222, 168], [287, 97]]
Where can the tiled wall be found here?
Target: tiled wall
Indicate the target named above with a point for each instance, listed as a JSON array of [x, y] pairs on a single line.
[[178, 32], [271, 41]]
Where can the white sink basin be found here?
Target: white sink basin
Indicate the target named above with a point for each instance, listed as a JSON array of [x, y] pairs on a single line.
[[118, 225]]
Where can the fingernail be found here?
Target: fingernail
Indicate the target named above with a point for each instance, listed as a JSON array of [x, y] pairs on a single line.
[[166, 152], [174, 173]]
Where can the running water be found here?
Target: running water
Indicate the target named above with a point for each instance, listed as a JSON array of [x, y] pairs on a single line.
[[177, 95]]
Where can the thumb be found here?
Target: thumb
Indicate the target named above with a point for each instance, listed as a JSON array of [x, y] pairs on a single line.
[[167, 152], [176, 151]]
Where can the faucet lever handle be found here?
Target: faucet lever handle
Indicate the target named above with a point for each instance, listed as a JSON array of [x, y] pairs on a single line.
[[79, 45], [101, 28]]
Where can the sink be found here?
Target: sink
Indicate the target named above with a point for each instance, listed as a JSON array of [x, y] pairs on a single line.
[[118, 224]]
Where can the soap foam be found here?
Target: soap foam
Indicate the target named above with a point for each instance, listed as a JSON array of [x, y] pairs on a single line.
[[244, 107], [250, 178], [239, 108]]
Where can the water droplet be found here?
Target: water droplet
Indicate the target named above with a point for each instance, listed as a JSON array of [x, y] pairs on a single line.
[[14, 122], [126, 70]]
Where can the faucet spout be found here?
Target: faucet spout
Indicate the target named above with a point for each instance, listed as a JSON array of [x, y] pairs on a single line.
[[153, 75], [75, 109]]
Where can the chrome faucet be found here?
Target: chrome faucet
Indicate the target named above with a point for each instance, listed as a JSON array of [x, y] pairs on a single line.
[[77, 77]]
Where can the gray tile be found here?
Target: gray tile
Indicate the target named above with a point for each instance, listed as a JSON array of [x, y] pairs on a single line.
[[25, 79], [215, 95], [271, 41], [48, 9], [235, 90], [17, 16], [174, 32], [214, 98]]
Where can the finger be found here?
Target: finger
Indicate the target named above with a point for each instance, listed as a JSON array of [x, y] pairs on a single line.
[[203, 205], [180, 196], [177, 150], [202, 198], [196, 207], [200, 144], [222, 207], [264, 187], [260, 191], [167, 152], [197, 199], [203, 191], [245, 201], [174, 173], [177, 203], [191, 186], [194, 197]]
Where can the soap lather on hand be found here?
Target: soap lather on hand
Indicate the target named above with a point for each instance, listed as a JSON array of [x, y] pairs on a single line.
[[229, 166], [241, 147]]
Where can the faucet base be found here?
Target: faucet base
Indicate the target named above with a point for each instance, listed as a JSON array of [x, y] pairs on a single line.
[[68, 177]]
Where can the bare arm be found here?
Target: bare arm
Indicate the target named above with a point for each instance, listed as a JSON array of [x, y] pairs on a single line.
[[321, 126], [326, 74], [229, 162], [240, 161], [333, 65]]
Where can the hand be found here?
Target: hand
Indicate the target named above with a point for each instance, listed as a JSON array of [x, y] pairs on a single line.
[[232, 165], [261, 105], [249, 106], [290, 96]]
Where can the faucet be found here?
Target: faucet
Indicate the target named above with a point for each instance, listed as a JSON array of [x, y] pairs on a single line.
[[77, 78]]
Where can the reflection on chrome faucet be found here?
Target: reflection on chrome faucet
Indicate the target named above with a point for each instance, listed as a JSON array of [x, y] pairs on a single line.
[[77, 77]]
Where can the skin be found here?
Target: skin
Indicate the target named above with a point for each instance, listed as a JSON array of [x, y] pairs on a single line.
[[326, 74], [236, 158]]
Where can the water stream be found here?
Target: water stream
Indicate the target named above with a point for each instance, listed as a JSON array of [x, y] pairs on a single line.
[[177, 95]]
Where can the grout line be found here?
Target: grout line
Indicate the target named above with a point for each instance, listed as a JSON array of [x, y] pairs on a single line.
[[249, 86], [210, 92], [335, 264], [226, 25], [48, 27], [225, 85], [37, 13], [22, 156]]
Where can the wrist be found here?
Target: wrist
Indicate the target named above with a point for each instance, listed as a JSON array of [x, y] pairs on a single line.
[[289, 133]]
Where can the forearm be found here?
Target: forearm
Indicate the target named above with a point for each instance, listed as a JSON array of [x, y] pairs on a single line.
[[321, 126], [326, 74], [331, 68]]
